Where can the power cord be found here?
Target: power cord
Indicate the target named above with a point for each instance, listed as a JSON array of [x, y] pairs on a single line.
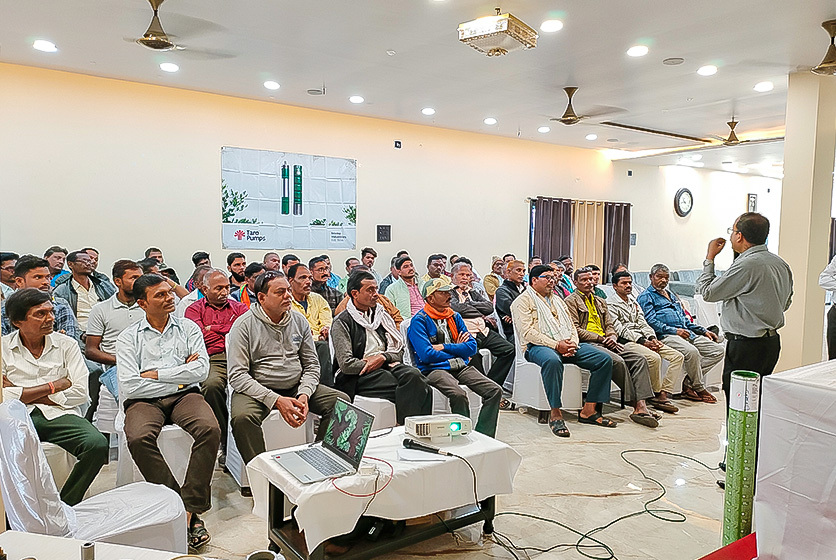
[[603, 551]]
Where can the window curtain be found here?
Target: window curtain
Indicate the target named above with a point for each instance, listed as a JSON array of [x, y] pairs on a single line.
[[588, 228], [552, 228], [616, 236]]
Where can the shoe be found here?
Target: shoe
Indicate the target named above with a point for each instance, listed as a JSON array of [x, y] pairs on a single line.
[[722, 465], [559, 428], [645, 419], [721, 484], [663, 405]]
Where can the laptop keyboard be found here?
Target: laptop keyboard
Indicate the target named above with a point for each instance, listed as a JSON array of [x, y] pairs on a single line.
[[321, 461]]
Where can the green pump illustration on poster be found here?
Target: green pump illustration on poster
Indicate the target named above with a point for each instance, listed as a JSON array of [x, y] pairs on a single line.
[[285, 200]]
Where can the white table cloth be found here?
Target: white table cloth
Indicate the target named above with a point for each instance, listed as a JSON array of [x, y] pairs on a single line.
[[19, 545], [795, 498], [416, 489]]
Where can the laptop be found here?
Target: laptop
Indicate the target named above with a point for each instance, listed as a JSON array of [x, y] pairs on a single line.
[[340, 451]]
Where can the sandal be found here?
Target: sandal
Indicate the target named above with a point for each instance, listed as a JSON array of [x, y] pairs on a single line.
[[559, 428], [505, 404], [691, 395], [198, 535], [598, 420], [707, 397], [645, 419]]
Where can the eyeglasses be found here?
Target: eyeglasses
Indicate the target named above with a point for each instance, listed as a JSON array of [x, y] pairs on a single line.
[[547, 277], [731, 230]]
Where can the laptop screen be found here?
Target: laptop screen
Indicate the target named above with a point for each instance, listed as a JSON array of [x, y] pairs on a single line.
[[348, 432]]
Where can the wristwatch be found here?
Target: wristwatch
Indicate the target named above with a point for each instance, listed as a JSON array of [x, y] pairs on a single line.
[[707, 262]]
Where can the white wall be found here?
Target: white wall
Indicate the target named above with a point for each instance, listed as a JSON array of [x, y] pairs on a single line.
[[123, 166], [719, 197]]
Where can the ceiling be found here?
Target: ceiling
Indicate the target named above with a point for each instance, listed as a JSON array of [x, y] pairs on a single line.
[[234, 46], [765, 159]]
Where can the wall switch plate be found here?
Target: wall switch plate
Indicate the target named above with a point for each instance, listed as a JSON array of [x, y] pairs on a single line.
[[384, 234]]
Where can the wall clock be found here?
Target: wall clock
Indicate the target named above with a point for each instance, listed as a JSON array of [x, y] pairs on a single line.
[[683, 202]]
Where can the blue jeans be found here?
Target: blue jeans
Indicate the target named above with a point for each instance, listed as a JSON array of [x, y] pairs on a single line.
[[587, 357], [108, 379]]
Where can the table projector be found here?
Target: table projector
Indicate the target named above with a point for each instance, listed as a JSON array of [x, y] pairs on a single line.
[[438, 428]]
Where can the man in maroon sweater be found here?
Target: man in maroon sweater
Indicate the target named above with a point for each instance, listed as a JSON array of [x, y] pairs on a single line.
[[214, 314]]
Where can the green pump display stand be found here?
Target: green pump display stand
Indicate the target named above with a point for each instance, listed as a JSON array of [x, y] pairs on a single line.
[[741, 455]]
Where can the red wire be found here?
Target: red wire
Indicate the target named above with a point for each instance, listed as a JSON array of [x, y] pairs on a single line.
[[391, 476]]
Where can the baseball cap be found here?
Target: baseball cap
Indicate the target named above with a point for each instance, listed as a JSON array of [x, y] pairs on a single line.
[[435, 285]]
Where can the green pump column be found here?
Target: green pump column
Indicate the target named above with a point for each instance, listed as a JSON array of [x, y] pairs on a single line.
[[741, 456]]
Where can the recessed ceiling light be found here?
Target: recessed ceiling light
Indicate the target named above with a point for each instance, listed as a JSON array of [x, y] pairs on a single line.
[[707, 70], [391, 52], [551, 26], [169, 67], [428, 111], [356, 99], [763, 87], [270, 84], [543, 129], [638, 50], [317, 91], [44, 46], [613, 140], [490, 121], [673, 61], [592, 137]]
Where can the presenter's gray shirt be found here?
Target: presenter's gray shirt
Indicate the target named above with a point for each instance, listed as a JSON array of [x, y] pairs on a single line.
[[754, 292]]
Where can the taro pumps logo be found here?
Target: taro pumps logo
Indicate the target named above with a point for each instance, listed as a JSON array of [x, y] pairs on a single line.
[[253, 235]]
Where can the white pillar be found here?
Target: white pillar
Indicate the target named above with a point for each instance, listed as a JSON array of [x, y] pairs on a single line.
[[807, 189]]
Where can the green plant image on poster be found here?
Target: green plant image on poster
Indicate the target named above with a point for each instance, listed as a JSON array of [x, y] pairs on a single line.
[[283, 200]]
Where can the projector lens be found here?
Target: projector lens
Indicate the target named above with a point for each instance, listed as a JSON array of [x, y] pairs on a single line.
[[455, 426]]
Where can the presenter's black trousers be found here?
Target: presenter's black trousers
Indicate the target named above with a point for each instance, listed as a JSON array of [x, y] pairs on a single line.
[[749, 354]]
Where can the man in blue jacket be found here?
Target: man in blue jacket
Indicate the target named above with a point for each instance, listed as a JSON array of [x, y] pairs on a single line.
[[443, 348]]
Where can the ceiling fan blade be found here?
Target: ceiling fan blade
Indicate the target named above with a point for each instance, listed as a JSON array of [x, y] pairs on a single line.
[[189, 27], [603, 111], [654, 131], [195, 53]]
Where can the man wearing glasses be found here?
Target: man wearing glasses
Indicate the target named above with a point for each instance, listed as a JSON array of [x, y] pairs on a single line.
[[754, 293], [549, 339]]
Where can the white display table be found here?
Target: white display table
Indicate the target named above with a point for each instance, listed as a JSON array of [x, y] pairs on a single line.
[[795, 498]]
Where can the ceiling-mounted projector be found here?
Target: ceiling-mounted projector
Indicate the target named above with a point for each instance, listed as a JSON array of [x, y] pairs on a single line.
[[438, 428], [497, 35]]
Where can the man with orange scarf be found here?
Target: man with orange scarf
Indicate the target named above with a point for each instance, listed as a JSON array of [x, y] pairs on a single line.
[[443, 348]]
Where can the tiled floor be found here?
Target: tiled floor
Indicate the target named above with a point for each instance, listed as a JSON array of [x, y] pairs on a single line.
[[581, 481]]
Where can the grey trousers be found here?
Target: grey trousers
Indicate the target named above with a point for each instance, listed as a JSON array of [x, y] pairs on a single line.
[[631, 373], [701, 354], [247, 415], [448, 383]]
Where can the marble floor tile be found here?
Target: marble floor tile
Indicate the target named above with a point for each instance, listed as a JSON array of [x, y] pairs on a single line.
[[582, 482]]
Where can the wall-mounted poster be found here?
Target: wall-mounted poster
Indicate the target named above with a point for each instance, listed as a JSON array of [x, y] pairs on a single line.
[[282, 200]]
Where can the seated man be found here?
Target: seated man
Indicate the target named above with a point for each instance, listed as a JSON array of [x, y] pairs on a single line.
[[405, 292], [368, 353], [273, 365], [387, 304], [287, 261], [443, 348], [271, 261], [246, 293], [596, 277], [549, 338], [215, 314], [436, 268], [160, 362], [476, 312], [320, 275], [316, 311], [33, 272], [594, 323], [511, 288], [55, 256], [109, 318], [199, 258], [494, 278], [152, 265], [565, 282], [194, 295], [393, 275], [635, 334], [80, 288], [7, 273], [700, 347], [236, 263], [45, 371], [559, 288], [350, 264]]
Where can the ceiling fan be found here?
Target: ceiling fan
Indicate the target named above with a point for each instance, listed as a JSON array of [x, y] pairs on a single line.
[[156, 39], [732, 140], [570, 117]]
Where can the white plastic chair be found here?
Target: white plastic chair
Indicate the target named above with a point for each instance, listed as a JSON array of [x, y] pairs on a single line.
[[174, 443], [383, 411], [528, 383], [60, 461], [141, 514], [277, 435]]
